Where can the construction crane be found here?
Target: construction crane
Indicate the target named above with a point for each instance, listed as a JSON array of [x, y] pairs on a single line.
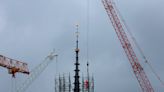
[[137, 68], [13, 66], [36, 72]]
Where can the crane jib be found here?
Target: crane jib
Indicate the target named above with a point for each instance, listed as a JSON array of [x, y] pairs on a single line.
[[137, 68]]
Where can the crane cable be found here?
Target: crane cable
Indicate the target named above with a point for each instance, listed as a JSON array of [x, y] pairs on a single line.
[[118, 12], [13, 84], [88, 28], [137, 45]]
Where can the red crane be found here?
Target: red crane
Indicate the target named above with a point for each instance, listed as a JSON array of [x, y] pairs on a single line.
[[13, 66], [137, 68]]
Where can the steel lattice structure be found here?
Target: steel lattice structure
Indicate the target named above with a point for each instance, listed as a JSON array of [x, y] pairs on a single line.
[[137, 68]]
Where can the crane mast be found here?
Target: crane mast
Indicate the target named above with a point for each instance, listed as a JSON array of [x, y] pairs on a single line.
[[137, 68]]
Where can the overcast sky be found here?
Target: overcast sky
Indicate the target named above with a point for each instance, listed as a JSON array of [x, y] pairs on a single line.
[[30, 29]]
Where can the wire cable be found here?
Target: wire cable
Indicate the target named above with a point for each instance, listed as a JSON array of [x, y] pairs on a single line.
[[88, 27], [137, 45]]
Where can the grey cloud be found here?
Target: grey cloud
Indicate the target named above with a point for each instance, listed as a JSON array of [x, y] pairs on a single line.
[[30, 29]]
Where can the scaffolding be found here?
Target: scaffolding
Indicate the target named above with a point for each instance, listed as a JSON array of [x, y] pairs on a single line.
[[87, 85], [63, 83]]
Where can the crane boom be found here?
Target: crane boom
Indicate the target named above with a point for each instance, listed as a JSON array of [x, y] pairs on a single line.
[[36, 72], [13, 66], [137, 68]]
